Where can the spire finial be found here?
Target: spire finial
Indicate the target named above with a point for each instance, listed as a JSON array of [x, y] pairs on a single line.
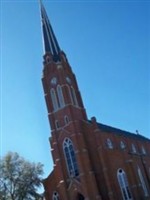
[[50, 41]]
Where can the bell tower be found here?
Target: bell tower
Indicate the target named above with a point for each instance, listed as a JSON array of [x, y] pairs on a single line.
[[63, 99], [69, 124]]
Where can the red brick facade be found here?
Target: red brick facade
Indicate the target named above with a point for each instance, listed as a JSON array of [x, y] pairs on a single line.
[[92, 161], [98, 162]]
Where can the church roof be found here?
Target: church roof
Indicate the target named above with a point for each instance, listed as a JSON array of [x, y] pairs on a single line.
[[50, 42], [120, 132]]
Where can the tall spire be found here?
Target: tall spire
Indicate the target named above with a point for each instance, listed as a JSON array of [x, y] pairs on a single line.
[[50, 41]]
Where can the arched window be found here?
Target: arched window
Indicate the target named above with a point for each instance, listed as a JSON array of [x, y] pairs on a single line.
[[54, 99], [70, 158], [73, 96], [69, 90], [123, 183], [109, 143], [60, 96], [66, 119], [54, 81], [133, 148], [47, 59], [122, 145], [57, 124], [55, 196], [142, 182], [143, 150]]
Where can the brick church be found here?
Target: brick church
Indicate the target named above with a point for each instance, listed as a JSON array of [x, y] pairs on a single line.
[[92, 161]]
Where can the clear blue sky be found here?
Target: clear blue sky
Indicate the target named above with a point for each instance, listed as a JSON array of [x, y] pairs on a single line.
[[108, 46]]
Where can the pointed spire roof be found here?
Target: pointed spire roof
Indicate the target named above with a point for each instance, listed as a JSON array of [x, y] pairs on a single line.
[[50, 42]]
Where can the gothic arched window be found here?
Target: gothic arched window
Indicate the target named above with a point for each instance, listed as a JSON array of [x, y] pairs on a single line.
[[60, 96], [66, 119], [122, 145], [109, 143], [57, 124], [54, 99], [143, 150], [69, 90], [48, 59], [123, 183], [55, 196], [133, 148], [142, 182], [73, 96], [70, 158]]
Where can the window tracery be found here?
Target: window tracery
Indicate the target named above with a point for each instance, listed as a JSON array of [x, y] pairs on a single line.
[[73, 97], [60, 96], [123, 183], [70, 158], [142, 182], [54, 99]]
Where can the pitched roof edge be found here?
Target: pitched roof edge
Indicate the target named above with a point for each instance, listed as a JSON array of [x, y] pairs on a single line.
[[120, 132]]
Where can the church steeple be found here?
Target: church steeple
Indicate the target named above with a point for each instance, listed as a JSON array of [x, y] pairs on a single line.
[[50, 42], [63, 99], [68, 121]]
